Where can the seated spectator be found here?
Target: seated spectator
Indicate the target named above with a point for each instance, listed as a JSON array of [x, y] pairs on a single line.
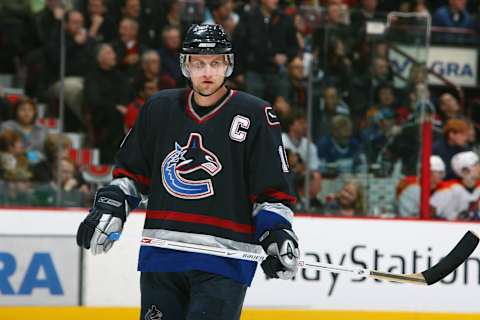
[[297, 94], [330, 106], [406, 144], [315, 187], [174, 14], [408, 189], [333, 29], [221, 12], [449, 108], [348, 202], [303, 33], [131, 9], [78, 46], [264, 43], [99, 23], [169, 52], [459, 199], [14, 169], [43, 171], [386, 99], [456, 134], [75, 192], [453, 15], [365, 85], [295, 139], [130, 113], [128, 47], [152, 71], [33, 135], [340, 152], [13, 160], [148, 15], [48, 20], [283, 109], [418, 75], [337, 14], [367, 12], [338, 69], [106, 88], [379, 134], [295, 163]]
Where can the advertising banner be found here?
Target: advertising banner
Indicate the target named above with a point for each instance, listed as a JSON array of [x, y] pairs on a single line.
[[458, 65], [39, 270], [398, 246]]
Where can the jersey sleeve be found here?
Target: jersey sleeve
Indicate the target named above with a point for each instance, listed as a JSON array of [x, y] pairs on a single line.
[[132, 159], [269, 178], [409, 201], [441, 201]]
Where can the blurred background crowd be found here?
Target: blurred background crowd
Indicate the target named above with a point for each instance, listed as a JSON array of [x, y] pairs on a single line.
[[351, 118]]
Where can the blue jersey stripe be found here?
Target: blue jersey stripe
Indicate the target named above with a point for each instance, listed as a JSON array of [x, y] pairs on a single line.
[[165, 260]]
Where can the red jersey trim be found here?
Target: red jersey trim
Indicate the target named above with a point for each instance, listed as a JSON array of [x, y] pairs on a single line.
[[447, 184], [404, 184], [118, 172], [192, 114], [276, 194], [200, 219]]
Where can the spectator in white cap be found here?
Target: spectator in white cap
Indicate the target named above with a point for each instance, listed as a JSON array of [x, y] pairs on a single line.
[[466, 165], [458, 199], [408, 189]]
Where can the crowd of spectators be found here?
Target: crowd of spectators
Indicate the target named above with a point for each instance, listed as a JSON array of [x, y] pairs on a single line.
[[119, 53]]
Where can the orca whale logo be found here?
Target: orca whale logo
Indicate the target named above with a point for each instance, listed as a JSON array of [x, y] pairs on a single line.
[[187, 159]]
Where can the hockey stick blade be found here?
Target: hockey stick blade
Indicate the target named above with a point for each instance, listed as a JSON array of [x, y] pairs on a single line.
[[447, 265], [443, 268]]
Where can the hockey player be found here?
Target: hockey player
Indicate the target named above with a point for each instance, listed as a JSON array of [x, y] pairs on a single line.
[[458, 199], [408, 189], [210, 161]]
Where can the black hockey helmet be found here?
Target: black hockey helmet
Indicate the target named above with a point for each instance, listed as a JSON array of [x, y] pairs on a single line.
[[206, 39]]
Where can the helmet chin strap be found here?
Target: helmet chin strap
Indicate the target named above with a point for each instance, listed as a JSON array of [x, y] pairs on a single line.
[[206, 95]]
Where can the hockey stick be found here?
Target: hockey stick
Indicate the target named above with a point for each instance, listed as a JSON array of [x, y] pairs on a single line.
[[454, 258]]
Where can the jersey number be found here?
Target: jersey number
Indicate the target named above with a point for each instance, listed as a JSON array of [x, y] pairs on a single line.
[[283, 158], [238, 129]]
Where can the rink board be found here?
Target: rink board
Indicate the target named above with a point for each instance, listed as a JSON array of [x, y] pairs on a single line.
[[396, 246]]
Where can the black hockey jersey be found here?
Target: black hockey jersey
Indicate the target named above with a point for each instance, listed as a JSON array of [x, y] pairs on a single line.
[[220, 179]]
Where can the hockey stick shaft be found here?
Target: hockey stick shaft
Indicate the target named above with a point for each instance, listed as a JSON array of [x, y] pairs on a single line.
[[242, 255], [454, 258]]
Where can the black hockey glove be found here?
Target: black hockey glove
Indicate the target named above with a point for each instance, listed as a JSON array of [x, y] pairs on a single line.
[[281, 245], [104, 223]]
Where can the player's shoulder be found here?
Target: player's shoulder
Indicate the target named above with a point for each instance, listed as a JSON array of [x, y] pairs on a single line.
[[164, 98], [249, 101], [258, 108], [409, 183], [449, 185]]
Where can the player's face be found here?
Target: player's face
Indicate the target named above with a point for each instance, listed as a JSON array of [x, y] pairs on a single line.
[[476, 171], [207, 72], [436, 177]]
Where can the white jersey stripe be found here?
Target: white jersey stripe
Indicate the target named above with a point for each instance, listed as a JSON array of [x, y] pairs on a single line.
[[202, 239]]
